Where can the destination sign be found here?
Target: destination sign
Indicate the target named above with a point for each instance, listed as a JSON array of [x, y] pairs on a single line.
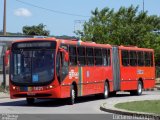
[[37, 44], [34, 45]]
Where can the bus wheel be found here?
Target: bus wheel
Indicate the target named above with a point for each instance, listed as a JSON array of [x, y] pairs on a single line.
[[140, 87], [72, 95], [106, 91], [30, 101]]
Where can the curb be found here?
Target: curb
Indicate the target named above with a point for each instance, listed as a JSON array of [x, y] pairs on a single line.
[[134, 114], [3, 97], [153, 89]]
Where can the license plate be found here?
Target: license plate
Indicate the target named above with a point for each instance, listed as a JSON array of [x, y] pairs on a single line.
[[23, 89]]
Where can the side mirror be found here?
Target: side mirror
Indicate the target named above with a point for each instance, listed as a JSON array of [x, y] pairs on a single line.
[[6, 57], [66, 55]]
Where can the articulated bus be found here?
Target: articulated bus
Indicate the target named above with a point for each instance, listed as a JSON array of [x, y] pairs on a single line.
[[54, 68]]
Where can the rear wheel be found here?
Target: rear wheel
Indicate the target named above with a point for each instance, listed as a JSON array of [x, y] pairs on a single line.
[[106, 91], [72, 95], [139, 89], [30, 101]]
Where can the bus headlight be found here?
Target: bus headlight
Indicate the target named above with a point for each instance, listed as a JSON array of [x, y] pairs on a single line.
[[14, 87]]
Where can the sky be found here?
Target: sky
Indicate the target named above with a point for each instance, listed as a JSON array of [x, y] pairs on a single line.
[[62, 17]]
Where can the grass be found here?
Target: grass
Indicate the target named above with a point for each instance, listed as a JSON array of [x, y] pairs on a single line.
[[147, 106]]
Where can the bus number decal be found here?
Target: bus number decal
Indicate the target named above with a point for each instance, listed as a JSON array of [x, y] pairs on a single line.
[[140, 72], [38, 88], [73, 74]]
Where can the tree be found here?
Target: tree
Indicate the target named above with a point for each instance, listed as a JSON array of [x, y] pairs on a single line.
[[36, 30], [126, 26]]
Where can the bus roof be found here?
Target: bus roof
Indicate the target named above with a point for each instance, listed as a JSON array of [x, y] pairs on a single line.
[[71, 42], [134, 48], [34, 39], [86, 43]]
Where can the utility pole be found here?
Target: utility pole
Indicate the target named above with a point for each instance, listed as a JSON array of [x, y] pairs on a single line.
[[4, 19], [143, 5], [78, 26]]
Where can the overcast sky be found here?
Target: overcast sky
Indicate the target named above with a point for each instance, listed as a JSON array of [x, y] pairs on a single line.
[[60, 15]]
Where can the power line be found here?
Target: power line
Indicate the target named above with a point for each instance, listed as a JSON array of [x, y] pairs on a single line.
[[51, 10]]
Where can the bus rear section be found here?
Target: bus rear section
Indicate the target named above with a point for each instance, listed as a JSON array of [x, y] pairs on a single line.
[[137, 69]]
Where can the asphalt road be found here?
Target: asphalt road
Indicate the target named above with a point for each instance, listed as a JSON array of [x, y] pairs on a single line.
[[85, 105]]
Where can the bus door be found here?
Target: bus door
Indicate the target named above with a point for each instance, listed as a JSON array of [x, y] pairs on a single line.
[[62, 65], [116, 68]]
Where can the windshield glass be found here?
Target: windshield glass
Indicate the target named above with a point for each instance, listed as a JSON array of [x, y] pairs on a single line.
[[32, 66], [32, 63]]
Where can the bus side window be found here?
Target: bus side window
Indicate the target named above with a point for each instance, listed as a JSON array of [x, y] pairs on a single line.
[[140, 58], [125, 58], [105, 57], [81, 56], [109, 57], [73, 55], [98, 56], [151, 57], [64, 67], [89, 56], [133, 58], [147, 59]]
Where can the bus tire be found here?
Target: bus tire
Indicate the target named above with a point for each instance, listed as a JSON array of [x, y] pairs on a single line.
[[30, 101], [139, 89], [72, 95], [106, 91]]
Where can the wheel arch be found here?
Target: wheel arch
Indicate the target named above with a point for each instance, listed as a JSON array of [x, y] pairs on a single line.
[[107, 81], [141, 80]]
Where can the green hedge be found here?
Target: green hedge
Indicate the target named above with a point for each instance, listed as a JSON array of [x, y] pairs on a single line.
[[157, 72]]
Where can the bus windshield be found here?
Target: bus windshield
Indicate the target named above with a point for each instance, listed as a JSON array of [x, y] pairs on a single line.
[[32, 67]]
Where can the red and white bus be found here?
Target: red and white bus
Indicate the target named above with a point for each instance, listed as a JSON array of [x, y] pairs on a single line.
[[54, 68]]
